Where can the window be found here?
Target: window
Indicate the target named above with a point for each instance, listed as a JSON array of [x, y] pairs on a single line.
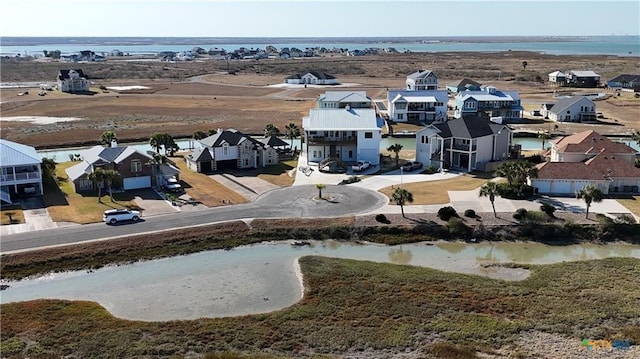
[[425, 139], [400, 116], [136, 166], [368, 135], [315, 154], [225, 149], [350, 154]]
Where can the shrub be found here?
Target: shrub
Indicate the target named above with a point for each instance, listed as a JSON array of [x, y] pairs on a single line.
[[447, 212], [520, 213], [470, 213], [457, 227], [548, 209], [382, 218], [535, 217]]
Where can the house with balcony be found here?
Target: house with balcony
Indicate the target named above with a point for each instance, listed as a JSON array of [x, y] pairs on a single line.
[[487, 103], [230, 149], [571, 109], [344, 99], [463, 144], [417, 106], [311, 78], [137, 169], [72, 81], [20, 171], [422, 80], [346, 134], [587, 158], [558, 78], [578, 78]]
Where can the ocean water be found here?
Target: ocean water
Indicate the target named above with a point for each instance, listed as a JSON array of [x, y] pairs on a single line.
[[596, 45]]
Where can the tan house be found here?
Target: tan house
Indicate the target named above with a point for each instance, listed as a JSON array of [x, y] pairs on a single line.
[[587, 158]]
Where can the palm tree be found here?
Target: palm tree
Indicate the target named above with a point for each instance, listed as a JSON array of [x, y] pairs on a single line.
[[517, 173], [396, 149], [292, 132], [401, 196], [271, 130], [98, 176], [49, 170], [111, 176], [524, 65], [107, 137], [543, 136], [156, 141], [590, 193], [636, 136], [199, 135], [320, 187], [490, 189]]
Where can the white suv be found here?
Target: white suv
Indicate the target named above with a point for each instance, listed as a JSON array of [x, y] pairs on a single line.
[[113, 216]]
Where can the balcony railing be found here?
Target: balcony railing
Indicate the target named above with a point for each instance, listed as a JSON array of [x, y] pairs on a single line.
[[463, 147], [319, 140], [23, 176]]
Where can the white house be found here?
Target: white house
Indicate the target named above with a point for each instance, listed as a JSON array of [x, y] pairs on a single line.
[[558, 78], [348, 134], [587, 158], [417, 105], [422, 80], [465, 144], [230, 149], [20, 170], [572, 109], [489, 102], [343, 99], [72, 81], [312, 78]]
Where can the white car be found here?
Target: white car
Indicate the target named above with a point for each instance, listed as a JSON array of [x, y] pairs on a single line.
[[361, 166], [113, 216], [172, 184]]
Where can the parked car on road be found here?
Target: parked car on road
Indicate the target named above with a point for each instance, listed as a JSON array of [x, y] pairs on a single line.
[[113, 216], [412, 165], [172, 184], [361, 166]]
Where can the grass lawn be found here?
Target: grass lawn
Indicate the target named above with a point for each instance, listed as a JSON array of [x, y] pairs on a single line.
[[632, 204], [16, 216], [202, 188], [278, 174], [435, 192], [64, 205], [351, 306]]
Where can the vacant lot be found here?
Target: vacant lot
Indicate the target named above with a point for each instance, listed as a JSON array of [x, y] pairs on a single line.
[[435, 192], [188, 97]]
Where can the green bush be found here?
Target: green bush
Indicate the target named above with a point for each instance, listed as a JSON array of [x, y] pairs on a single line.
[[520, 213], [382, 218], [447, 212], [512, 193], [536, 217], [470, 213], [457, 227], [548, 209]]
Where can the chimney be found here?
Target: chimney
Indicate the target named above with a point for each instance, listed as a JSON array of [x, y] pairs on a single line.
[[348, 107], [114, 143]]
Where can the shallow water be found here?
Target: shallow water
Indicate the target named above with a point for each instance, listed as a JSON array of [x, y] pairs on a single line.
[[262, 278]]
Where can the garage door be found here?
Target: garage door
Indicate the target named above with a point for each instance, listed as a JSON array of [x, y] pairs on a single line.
[[137, 182], [543, 187], [563, 187]]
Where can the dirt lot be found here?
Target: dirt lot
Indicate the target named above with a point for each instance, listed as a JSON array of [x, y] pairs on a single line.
[[202, 95]]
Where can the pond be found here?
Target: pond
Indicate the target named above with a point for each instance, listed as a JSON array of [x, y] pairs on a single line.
[[265, 277]]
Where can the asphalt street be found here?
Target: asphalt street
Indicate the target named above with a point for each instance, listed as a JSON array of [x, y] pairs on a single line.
[[291, 202]]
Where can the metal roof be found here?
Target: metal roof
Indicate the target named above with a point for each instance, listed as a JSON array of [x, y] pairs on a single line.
[[355, 119], [344, 96], [16, 154]]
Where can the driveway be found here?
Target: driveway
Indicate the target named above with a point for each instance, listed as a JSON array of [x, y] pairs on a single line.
[[36, 218], [153, 203], [250, 187]]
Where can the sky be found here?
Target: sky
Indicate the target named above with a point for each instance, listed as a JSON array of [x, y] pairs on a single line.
[[328, 18]]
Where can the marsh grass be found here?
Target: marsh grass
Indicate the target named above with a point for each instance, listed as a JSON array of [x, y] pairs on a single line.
[[352, 306]]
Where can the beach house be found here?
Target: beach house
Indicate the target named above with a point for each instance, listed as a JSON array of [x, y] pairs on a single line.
[[463, 85], [20, 171], [625, 82], [464, 144], [579, 78], [487, 103], [417, 106], [311, 78], [72, 81], [343, 99], [571, 109], [587, 158], [422, 80]]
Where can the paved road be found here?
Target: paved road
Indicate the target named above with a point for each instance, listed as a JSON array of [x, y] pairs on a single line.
[[290, 202]]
